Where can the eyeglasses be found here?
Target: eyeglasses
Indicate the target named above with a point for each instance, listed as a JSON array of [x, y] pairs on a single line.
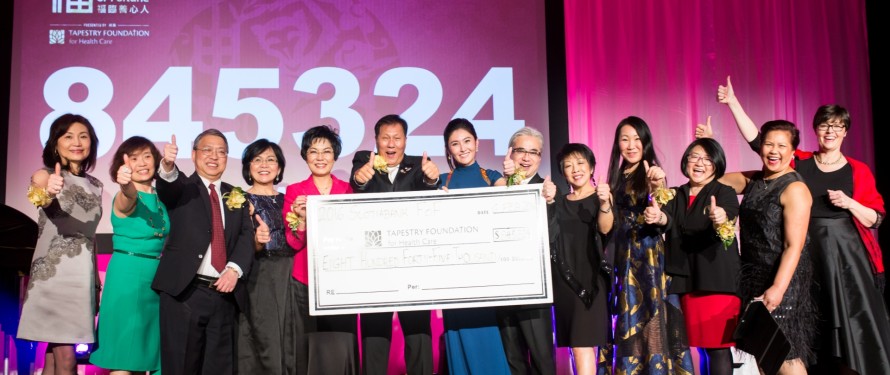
[[525, 152], [694, 158], [834, 127], [269, 161], [207, 151]]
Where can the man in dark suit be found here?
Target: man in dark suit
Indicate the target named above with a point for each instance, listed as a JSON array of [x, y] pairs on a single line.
[[209, 249], [401, 173], [527, 330]]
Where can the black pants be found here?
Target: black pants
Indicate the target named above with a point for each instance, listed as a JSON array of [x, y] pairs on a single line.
[[527, 331], [197, 332], [377, 335]]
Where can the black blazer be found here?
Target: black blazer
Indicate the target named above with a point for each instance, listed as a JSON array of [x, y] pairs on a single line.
[[694, 256], [188, 204], [409, 177]]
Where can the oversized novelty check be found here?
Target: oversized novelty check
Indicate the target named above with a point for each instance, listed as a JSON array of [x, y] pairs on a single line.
[[428, 250]]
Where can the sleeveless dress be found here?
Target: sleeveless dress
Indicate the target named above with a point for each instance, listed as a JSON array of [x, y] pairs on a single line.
[[578, 248], [60, 304], [129, 315], [854, 329], [266, 339], [472, 339], [650, 337], [762, 244]]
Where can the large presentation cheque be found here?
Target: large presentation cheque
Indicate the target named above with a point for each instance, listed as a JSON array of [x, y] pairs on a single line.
[[428, 250]]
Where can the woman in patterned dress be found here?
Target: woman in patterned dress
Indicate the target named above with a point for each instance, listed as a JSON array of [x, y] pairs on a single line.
[[649, 333], [62, 298]]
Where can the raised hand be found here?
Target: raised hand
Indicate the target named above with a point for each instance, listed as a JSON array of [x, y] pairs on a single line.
[[725, 94], [548, 191], [655, 175], [366, 172], [509, 165], [704, 130], [839, 199], [55, 183], [716, 213], [299, 207], [430, 170], [262, 231], [125, 172], [652, 214], [603, 192], [170, 151]]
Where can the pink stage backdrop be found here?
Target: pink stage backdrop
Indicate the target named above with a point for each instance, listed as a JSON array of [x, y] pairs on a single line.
[[662, 61], [272, 69]]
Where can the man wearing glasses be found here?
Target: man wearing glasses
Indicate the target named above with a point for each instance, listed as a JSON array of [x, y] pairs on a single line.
[[209, 249], [526, 330]]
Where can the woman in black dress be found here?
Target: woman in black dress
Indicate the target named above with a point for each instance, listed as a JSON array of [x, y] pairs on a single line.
[[265, 345], [776, 265], [704, 268], [581, 274]]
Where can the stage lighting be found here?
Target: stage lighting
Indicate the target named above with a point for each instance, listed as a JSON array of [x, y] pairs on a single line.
[[82, 353]]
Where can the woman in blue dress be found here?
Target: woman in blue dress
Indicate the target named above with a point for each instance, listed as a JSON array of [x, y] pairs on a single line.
[[472, 340]]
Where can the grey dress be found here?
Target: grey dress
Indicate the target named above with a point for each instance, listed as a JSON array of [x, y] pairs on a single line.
[[60, 305]]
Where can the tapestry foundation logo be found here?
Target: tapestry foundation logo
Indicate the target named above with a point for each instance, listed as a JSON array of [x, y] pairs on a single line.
[[372, 238], [57, 37], [72, 6]]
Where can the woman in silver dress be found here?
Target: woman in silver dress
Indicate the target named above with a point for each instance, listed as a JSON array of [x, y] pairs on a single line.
[[62, 297]]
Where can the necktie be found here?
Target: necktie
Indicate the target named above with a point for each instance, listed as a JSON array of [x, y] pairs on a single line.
[[217, 234]]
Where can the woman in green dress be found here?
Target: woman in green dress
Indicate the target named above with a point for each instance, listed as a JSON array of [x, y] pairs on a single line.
[[129, 330]]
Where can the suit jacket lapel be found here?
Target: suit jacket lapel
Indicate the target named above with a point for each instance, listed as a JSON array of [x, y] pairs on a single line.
[[405, 170], [536, 179]]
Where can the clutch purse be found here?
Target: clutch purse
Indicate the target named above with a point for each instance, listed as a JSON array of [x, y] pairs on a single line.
[[759, 335]]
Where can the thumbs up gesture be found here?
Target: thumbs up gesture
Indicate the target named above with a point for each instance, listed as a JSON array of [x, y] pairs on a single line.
[[366, 172], [55, 183], [725, 94], [604, 193], [125, 172], [704, 130], [430, 170], [170, 151], [509, 165], [548, 191], [716, 213], [655, 175], [653, 214], [262, 231]]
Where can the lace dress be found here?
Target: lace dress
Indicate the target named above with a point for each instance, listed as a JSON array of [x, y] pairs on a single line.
[[60, 306], [762, 243]]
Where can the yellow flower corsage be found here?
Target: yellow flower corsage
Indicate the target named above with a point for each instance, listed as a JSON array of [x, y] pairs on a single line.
[[380, 164], [38, 196], [235, 198], [663, 195], [516, 178], [293, 221], [726, 232]]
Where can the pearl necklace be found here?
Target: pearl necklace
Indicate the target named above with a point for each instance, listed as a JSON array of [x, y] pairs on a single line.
[[819, 160]]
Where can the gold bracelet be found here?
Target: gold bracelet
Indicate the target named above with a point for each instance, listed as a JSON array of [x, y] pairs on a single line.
[[606, 211]]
